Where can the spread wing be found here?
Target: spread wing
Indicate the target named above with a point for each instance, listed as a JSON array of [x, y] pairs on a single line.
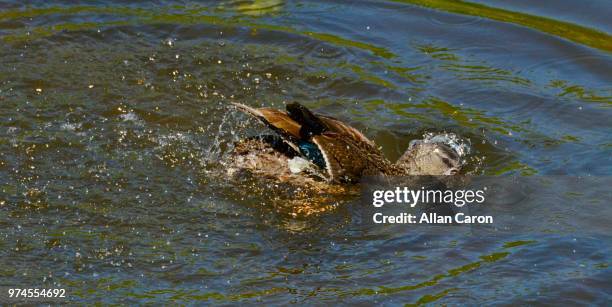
[[276, 120], [348, 154], [281, 122]]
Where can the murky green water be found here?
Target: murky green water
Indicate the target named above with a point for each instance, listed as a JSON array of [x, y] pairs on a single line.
[[114, 124]]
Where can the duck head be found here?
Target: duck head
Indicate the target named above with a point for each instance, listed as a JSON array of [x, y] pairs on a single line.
[[429, 158]]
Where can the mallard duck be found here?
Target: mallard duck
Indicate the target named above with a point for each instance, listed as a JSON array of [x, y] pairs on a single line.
[[315, 146]]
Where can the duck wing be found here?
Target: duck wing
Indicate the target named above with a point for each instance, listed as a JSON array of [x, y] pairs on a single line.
[[342, 128], [345, 153], [347, 159], [277, 120], [314, 124]]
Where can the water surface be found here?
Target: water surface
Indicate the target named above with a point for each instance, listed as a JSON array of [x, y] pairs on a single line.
[[114, 125]]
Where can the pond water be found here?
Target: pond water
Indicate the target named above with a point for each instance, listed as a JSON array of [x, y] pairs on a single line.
[[114, 123]]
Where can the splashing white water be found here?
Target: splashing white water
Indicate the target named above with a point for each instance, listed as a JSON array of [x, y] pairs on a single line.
[[130, 116], [459, 145]]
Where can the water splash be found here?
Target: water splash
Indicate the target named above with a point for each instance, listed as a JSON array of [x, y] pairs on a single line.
[[459, 145]]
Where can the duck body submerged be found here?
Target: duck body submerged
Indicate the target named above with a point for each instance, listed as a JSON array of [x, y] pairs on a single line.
[[309, 146]]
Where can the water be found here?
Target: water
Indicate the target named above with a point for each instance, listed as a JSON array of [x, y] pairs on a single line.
[[114, 124]]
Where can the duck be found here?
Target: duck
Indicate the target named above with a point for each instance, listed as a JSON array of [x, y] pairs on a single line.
[[308, 146]]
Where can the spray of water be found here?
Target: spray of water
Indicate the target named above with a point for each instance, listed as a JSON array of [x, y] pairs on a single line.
[[460, 146]]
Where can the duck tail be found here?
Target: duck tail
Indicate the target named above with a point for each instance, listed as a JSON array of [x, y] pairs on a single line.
[[311, 124]]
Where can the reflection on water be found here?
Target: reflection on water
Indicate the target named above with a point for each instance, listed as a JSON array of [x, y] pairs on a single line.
[[255, 7], [114, 126], [574, 32]]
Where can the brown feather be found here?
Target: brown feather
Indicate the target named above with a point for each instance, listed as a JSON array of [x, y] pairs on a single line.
[[338, 126], [348, 160], [277, 120], [280, 120], [348, 153]]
